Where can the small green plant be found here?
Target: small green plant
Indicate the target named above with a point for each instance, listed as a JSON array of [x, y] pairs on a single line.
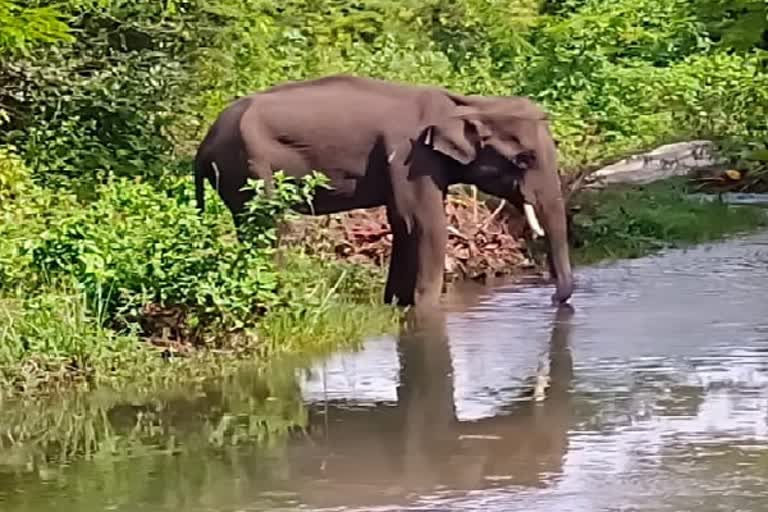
[[266, 212]]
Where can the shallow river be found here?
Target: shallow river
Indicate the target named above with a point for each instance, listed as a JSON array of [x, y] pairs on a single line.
[[657, 401]]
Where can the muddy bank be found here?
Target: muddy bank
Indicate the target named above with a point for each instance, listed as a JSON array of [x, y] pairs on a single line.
[[486, 239]]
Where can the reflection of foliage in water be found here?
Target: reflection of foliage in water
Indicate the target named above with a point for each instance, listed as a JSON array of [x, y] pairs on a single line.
[[257, 408]]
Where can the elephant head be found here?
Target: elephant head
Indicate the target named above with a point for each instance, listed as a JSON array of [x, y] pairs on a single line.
[[505, 148]]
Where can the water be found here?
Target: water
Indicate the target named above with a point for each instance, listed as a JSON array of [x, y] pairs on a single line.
[[735, 198], [657, 401]]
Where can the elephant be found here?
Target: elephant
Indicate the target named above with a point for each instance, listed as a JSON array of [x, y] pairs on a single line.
[[397, 145]]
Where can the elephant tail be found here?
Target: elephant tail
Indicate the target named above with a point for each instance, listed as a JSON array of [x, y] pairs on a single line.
[[199, 186]]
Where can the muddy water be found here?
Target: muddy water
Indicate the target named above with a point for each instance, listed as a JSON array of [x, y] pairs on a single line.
[[657, 400]]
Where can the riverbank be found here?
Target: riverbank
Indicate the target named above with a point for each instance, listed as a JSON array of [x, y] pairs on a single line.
[[164, 297], [132, 284], [633, 221]]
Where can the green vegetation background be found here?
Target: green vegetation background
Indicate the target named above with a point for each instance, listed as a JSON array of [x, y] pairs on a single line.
[[103, 101]]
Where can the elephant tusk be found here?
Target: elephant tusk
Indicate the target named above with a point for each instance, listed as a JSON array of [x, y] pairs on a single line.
[[530, 216]]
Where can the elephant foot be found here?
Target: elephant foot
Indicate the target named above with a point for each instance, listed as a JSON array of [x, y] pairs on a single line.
[[558, 300]]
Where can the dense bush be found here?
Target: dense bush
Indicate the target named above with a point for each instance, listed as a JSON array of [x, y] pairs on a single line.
[[132, 85], [133, 246]]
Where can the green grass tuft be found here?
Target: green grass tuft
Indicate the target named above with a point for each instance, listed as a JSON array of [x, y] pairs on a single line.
[[630, 222]]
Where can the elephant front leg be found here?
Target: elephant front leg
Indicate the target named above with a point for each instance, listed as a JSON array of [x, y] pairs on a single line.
[[417, 262], [401, 278], [431, 240], [418, 195]]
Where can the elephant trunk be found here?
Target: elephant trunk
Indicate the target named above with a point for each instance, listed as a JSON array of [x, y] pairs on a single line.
[[555, 226]]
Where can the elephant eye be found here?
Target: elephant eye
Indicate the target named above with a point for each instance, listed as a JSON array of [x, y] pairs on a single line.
[[525, 160]]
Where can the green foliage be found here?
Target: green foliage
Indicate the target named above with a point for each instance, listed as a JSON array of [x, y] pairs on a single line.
[[264, 215], [23, 27], [78, 279], [142, 80], [134, 246], [14, 175], [618, 77], [103, 102], [19, 207], [634, 221], [737, 24]]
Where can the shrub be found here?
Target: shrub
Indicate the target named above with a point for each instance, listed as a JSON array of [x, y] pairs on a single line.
[[103, 101], [133, 246]]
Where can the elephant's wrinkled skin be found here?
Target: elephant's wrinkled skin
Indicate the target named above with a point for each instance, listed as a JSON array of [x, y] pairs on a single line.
[[394, 145]]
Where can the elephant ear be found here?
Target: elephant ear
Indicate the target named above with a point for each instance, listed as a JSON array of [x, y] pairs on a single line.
[[458, 136]]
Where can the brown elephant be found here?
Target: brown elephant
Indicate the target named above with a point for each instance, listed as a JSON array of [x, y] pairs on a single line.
[[396, 145]]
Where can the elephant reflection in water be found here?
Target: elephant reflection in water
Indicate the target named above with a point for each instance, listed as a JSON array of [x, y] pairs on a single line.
[[383, 453]]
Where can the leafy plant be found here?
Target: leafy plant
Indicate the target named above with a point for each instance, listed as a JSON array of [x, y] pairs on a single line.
[[133, 246], [24, 27]]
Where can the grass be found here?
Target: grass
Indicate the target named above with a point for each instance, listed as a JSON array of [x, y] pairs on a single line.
[[52, 338], [341, 307], [51, 341], [630, 222]]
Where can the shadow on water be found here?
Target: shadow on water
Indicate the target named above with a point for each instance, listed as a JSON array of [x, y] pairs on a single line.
[[657, 401]]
